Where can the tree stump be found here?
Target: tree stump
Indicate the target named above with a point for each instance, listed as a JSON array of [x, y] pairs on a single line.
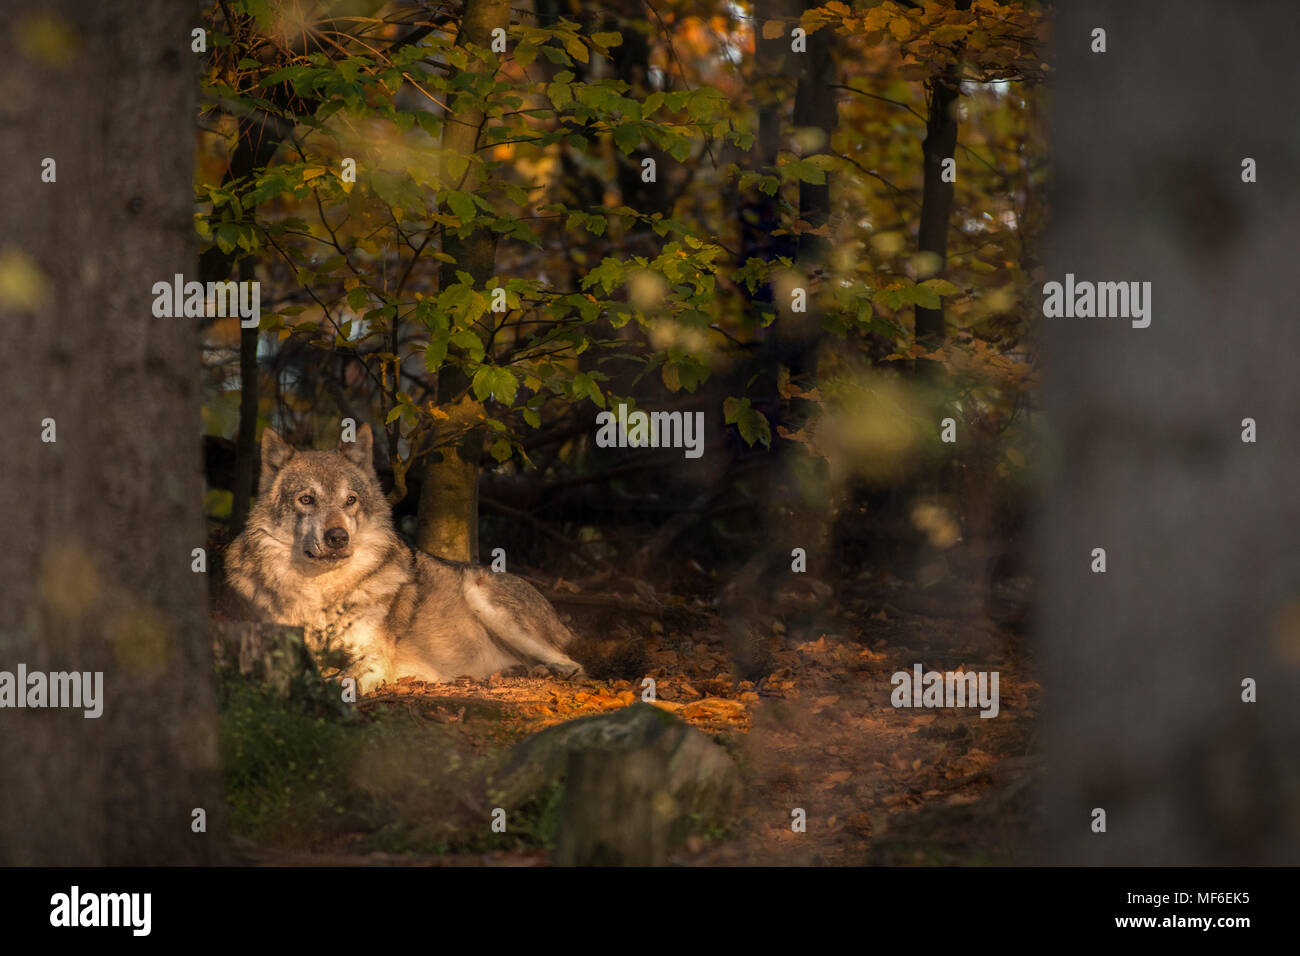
[[271, 654], [616, 809]]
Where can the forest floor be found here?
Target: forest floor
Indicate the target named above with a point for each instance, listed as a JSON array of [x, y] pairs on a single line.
[[878, 785]]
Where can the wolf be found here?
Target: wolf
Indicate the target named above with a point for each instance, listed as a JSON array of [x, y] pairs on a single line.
[[319, 551]]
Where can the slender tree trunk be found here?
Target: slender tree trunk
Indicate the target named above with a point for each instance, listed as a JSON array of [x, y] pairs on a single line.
[[101, 522], [448, 517], [246, 440], [1144, 663], [773, 84], [936, 197], [815, 119], [631, 62]]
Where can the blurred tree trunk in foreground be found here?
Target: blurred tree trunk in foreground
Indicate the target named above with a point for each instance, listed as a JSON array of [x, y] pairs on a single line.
[[99, 525], [1145, 662]]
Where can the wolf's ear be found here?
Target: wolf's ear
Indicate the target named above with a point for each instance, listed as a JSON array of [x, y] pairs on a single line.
[[361, 451], [275, 452]]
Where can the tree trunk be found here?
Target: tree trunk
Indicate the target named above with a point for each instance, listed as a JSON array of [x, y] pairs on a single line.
[[815, 117], [936, 197], [772, 81], [246, 440], [101, 522], [448, 518], [447, 522], [631, 63], [795, 514], [616, 810], [1145, 662]]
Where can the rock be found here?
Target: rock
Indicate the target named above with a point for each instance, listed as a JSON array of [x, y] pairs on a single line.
[[636, 782]]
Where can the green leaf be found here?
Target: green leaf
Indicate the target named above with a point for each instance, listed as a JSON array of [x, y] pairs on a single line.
[[584, 386], [925, 297], [750, 421], [498, 383], [557, 56], [628, 137], [525, 53], [505, 386], [227, 236], [501, 450], [561, 94], [609, 274], [462, 204], [804, 171], [941, 286], [890, 330], [436, 352], [470, 342]]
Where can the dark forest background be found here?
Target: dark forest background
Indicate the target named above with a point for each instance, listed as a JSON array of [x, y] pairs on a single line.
[[822, 226]]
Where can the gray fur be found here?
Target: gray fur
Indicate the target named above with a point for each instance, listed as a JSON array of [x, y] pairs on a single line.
[[396, 612]]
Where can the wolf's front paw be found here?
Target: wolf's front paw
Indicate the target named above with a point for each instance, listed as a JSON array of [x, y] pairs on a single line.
[[368, 682], [566, 669]]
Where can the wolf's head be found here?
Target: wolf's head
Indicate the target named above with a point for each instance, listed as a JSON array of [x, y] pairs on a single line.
[[325, 507]]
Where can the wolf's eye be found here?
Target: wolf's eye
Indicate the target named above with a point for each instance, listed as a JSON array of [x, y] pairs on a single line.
[[307, 499], [352, 499]]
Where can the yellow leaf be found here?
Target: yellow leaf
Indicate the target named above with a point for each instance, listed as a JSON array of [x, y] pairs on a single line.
[[576, 49], [23, 285], [900, 28], [671, 378], [773, 29], [950, 32], [875, 18]]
